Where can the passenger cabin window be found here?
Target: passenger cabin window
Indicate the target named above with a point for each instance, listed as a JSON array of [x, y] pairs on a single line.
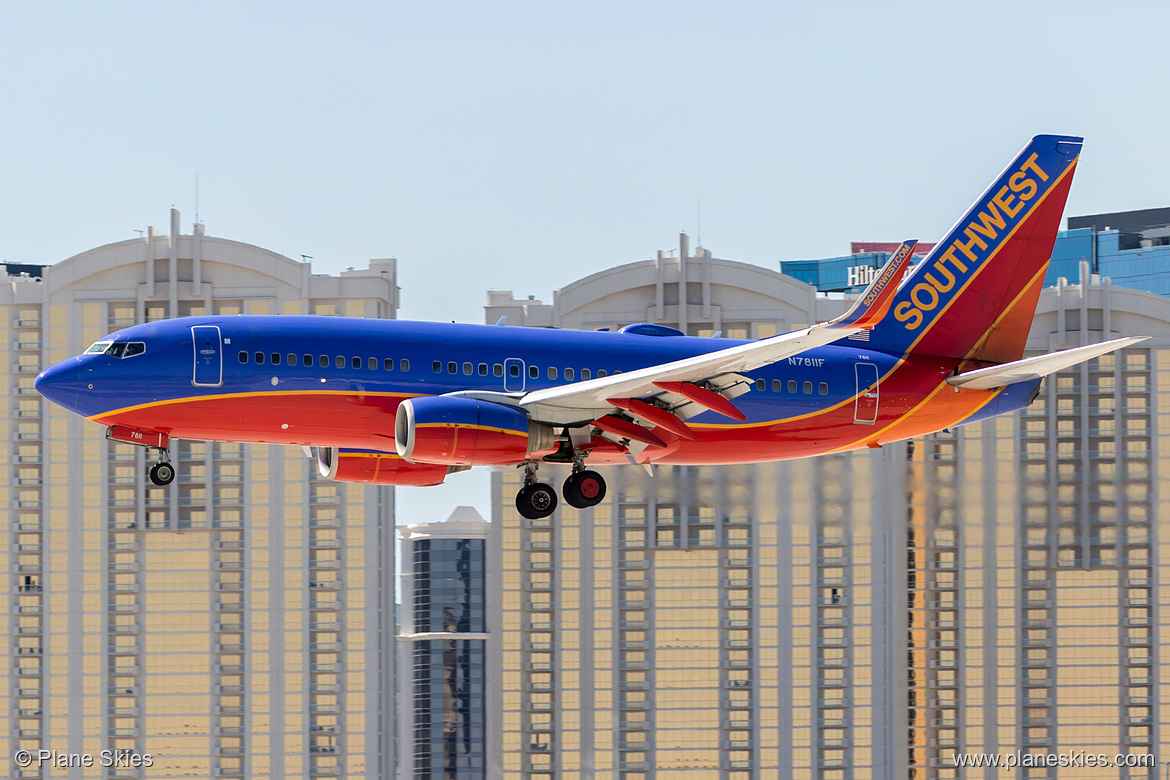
[[276, 358], [243, 356], [483, 369], [533, 372], [568, 374], [776, 385], [761, 385], [324, 361], [552, 373], [601, 373], [404, 365], [372, 363], [466, 369], [355, 363], [308, 360], [339, 361], [498, 369], [808, 388], [792, 385], [388, 364], [584, 373], [452, 367], [823, 388], [259, 358], [437, 367], [514, 370], [291, 358]]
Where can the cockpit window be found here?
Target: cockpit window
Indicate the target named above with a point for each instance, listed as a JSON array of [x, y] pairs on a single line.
[[118, 349]]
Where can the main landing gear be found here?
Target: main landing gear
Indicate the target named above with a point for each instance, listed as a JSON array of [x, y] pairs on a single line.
[[581, 490]]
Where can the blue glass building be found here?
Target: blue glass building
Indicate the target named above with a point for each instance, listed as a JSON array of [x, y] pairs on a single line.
[[1132, 248], [445, 626]]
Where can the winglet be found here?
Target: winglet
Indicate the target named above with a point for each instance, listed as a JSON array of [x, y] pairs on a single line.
[[873, 304]]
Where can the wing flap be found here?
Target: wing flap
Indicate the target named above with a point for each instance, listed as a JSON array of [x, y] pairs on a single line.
[[582, 402]]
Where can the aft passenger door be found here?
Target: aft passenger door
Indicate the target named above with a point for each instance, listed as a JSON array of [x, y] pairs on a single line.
[[208, 356], [866, 409]]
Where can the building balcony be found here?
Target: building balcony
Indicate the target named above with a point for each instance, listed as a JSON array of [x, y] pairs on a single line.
[[25, 670], [36, 630], [229, 647], [123, 628], [27, 609]]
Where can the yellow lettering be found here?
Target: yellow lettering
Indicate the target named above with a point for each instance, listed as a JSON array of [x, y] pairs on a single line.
[[1030, 163], [1006, 203], [949, 255], [987, 223], [974, 241], [924, 305], [1019, 182], [904, 311], [929, 276]]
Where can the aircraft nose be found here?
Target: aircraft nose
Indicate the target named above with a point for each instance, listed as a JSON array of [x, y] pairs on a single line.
[[61, 383]]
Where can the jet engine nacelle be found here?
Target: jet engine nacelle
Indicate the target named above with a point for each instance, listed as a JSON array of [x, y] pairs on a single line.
[[467, 432], [378, 468]]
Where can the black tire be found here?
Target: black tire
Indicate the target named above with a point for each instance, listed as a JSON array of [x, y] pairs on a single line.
[[162, 474], [536, 501], [584, 489]]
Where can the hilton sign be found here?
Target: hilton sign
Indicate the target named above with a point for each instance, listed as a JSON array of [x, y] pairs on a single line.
[[860, 275]]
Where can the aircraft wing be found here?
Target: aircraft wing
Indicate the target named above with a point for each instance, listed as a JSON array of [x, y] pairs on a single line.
[[583, 402], [1036, 367]]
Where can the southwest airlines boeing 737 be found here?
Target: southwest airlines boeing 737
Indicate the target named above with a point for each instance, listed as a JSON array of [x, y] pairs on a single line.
[[407, 403]]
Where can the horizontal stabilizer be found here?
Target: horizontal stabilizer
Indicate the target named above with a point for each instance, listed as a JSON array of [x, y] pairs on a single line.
[[1036, 367]]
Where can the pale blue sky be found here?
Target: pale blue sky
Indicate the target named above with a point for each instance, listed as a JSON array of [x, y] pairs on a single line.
[[523, 145]]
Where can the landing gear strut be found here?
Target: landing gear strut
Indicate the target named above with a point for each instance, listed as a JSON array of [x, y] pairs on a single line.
[[162, 473], [536, 499], [583, 488]]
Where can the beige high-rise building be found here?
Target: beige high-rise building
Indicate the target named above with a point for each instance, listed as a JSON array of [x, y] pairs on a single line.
[[236, 623], [992, 588]]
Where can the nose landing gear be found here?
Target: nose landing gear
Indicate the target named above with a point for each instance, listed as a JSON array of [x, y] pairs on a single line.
[[162, 473]]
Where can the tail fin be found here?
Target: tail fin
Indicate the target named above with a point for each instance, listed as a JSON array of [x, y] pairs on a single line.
[[975, 294], [875, 302]]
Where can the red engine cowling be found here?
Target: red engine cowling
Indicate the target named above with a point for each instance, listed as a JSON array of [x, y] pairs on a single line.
[[466, 432], [378, 468]]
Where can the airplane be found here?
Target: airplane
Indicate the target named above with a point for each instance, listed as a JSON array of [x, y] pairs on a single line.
[[407, 403]]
